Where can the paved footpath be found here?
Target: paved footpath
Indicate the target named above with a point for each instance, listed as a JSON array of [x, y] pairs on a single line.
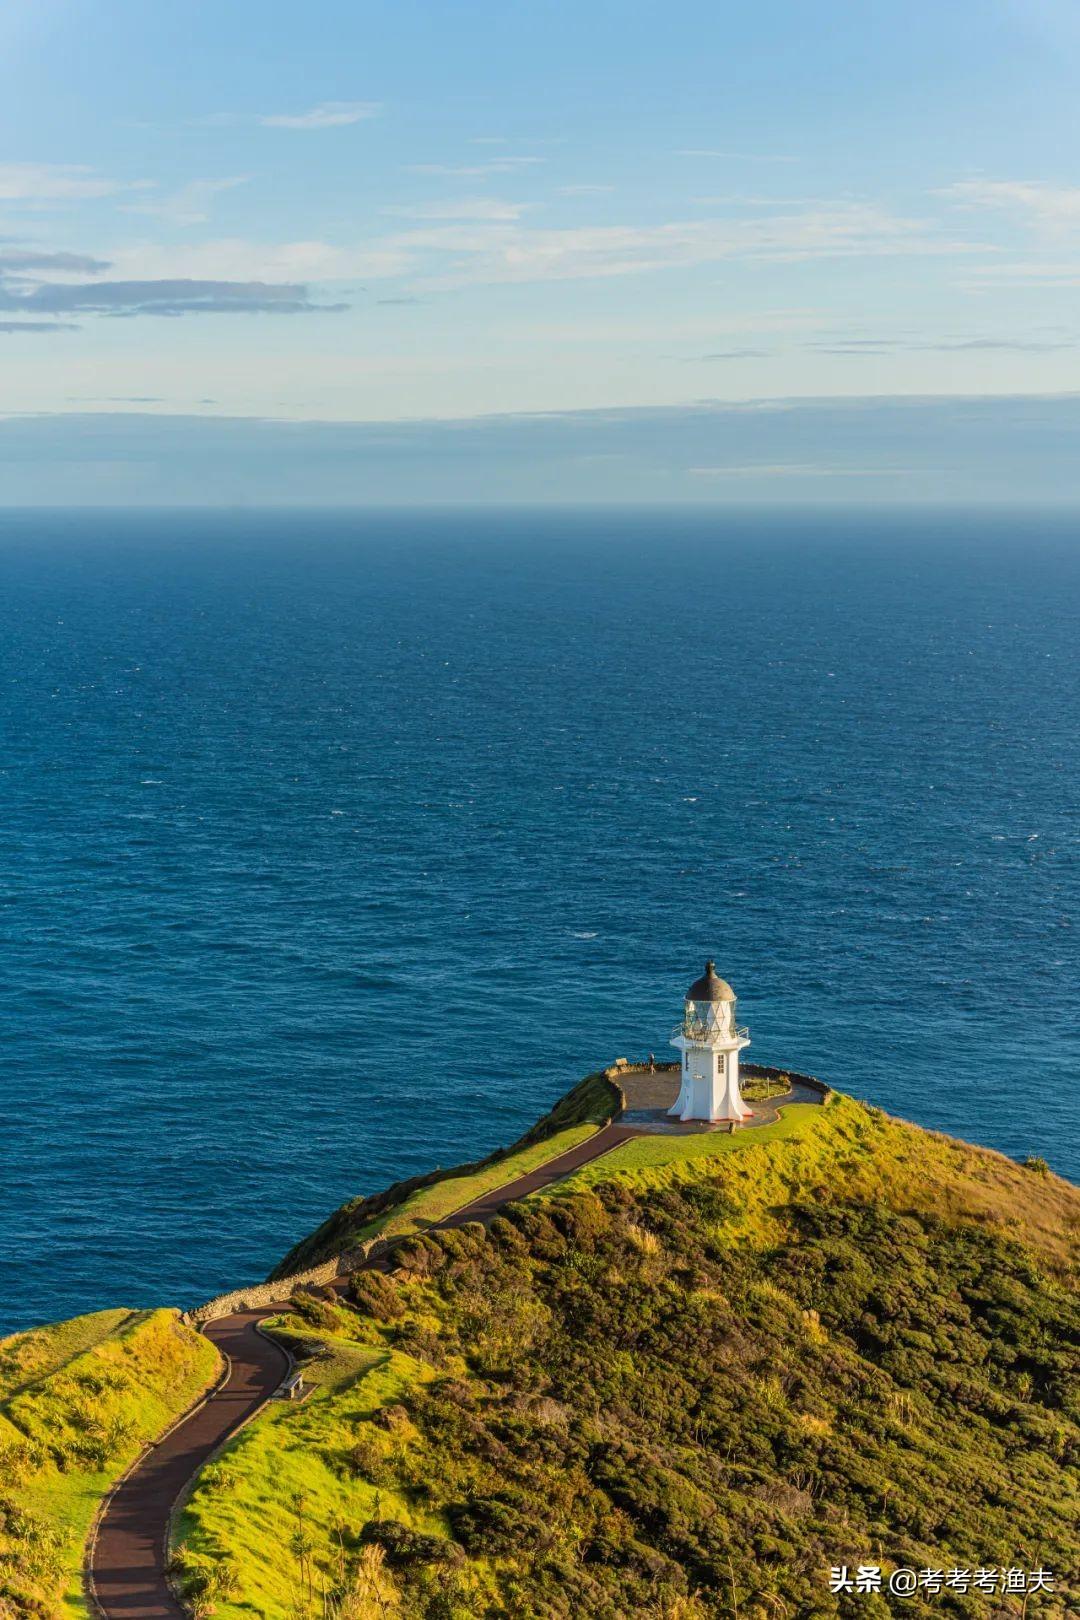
[[488, 1205], [128, 1559]]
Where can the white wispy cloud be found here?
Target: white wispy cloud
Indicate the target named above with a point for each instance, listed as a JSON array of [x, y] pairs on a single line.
[[733, 354], [474, 171], [10, 328], [668, 326], [1037, 201], [327, 115], [20, 262], [736, 157], [39, 184], [190, 204], [240, 259], [486, 208], [447, 248], [1023, 274], [1051, 214], [841, 231], [741, 199], [871, 347], [791, 469]]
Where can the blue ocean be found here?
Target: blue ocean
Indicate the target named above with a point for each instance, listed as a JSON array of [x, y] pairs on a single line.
[[336, 846]]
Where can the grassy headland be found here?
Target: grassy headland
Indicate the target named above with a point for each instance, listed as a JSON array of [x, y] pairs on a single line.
[[412, 1206], [683, 1384], [78, 1401]]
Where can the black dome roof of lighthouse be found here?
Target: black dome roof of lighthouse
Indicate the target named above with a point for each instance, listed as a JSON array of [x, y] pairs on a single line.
[[710, 987]]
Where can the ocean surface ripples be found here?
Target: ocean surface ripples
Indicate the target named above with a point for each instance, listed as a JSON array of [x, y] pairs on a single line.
[[334, 847]]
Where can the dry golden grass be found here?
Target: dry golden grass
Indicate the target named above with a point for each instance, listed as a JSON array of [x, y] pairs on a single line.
[[850, 1150], [926, 1170]]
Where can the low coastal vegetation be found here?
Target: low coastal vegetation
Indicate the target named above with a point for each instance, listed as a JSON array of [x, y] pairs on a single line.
[[683, 1384], [412, 1206], [78, 1401], [761, 1087]]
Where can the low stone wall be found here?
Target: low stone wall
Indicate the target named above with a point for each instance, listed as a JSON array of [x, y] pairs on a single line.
[[635, 1066], [260, 1295], [766, 1071], [623, 1066]]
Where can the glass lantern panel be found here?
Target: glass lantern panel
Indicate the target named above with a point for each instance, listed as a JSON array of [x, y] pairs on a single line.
[[710, 1017]]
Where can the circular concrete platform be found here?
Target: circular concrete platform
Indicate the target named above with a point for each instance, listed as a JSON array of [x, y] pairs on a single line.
[[650, 1093]]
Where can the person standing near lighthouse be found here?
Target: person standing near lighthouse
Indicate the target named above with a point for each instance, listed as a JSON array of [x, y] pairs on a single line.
[[709, 1044]]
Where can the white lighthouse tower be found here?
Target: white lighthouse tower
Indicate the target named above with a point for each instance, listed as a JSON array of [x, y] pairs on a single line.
[[709, 1044]]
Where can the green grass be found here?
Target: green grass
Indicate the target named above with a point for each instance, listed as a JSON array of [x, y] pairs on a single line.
[[813, 1151], [431, 1204], [298, 1480], [330, 1362], [575, 1118], [762, 1087], [662, 1152], [410, 1206], [79, 1401], [28, 1358]]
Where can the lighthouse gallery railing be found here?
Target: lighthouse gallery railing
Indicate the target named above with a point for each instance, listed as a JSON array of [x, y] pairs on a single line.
[[697, 1031]]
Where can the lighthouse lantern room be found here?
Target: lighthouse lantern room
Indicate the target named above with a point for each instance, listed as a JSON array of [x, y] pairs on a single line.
[[709, 1044]]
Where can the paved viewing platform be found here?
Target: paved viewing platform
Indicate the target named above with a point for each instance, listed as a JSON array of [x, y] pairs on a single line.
[[650, 1093]]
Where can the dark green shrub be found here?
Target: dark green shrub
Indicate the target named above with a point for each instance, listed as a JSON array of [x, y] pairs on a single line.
[[374, 1293], [404, 1547], [317, 1313]]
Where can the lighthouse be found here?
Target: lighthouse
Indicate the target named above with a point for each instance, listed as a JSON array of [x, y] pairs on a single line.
[[709, 1044]]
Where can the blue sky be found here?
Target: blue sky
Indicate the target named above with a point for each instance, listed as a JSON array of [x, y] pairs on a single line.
[[364, 213]]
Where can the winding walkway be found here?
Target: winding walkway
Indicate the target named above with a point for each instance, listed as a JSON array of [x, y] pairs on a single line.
[[127, 1559], [128, 1555]]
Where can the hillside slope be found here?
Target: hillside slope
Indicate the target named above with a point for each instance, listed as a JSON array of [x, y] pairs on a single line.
[[684, 1385], [78, 1401], [410, 1206]]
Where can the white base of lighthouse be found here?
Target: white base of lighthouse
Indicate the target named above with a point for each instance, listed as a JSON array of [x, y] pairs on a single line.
[[709, 1087]]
